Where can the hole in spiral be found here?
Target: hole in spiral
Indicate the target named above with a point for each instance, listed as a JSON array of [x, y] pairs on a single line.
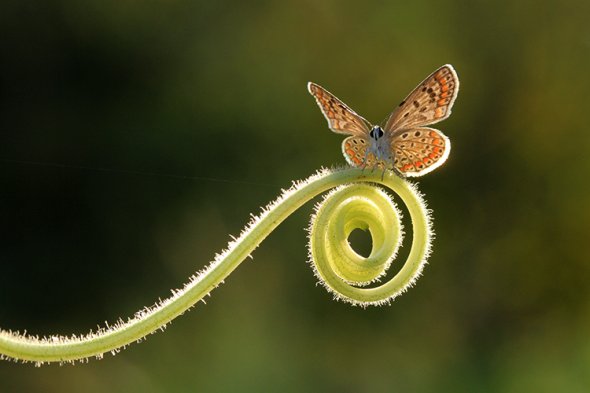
[[361, 242]]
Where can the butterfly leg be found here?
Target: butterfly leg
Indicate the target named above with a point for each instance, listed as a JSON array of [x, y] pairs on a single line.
[[397, 172], [365, 159]]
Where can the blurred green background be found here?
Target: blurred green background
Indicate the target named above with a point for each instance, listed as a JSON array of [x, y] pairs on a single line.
[[109, 108]]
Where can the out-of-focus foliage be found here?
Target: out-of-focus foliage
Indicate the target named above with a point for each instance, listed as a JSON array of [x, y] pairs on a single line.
[[108, 108]]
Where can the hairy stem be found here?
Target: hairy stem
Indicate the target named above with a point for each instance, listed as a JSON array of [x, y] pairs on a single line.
[[385, 229]]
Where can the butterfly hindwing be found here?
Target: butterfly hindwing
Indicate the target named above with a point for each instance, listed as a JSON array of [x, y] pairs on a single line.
[[418, 151], [357, 153]]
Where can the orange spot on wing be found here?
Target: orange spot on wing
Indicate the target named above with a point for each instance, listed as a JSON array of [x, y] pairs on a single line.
[[406, 167], [444, 94], [439, 112], [432, 156], [436, 150], [442, 102], [444, 88], [351, 154]]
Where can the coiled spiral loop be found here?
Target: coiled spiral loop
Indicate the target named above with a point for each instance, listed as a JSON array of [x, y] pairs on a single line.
[[366, 206]]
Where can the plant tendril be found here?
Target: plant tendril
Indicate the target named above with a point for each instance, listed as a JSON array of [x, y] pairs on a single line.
[[354, 202]]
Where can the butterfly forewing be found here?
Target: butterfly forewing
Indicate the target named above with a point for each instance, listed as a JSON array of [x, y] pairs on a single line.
[[418, 151], [430, 102], [341, 118]]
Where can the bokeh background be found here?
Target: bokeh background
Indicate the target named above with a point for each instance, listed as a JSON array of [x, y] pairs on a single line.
[[137, 136]]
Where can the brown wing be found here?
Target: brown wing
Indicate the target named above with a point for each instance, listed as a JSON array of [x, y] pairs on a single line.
[[429, 103], [341, 118], [418, 151]]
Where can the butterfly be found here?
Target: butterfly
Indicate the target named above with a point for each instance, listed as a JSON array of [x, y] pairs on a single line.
[[404, 143]]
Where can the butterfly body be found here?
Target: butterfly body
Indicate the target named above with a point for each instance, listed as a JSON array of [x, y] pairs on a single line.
[[404, 144], [376, 153]]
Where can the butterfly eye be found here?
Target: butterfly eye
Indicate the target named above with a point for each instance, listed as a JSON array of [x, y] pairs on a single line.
[[376, 132]]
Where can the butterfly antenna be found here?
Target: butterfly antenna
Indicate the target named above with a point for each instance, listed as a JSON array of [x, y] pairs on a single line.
[[384, 121]]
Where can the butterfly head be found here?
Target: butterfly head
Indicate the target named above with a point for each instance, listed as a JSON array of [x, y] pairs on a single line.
[[376, 132]]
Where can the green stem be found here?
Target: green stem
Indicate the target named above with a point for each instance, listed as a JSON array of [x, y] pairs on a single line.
[[22, 347]]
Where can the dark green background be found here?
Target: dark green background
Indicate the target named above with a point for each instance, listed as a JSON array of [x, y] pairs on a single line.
[[108, 108]]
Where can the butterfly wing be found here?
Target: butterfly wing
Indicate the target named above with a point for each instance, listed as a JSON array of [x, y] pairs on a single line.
[[430, 102], [418, 151], [355, 151], [341, 118]]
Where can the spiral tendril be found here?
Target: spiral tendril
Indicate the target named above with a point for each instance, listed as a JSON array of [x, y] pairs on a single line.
[[346, 274], [343, 271]]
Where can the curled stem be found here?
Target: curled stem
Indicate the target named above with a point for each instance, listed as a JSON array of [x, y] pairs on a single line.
[[339, 268]]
